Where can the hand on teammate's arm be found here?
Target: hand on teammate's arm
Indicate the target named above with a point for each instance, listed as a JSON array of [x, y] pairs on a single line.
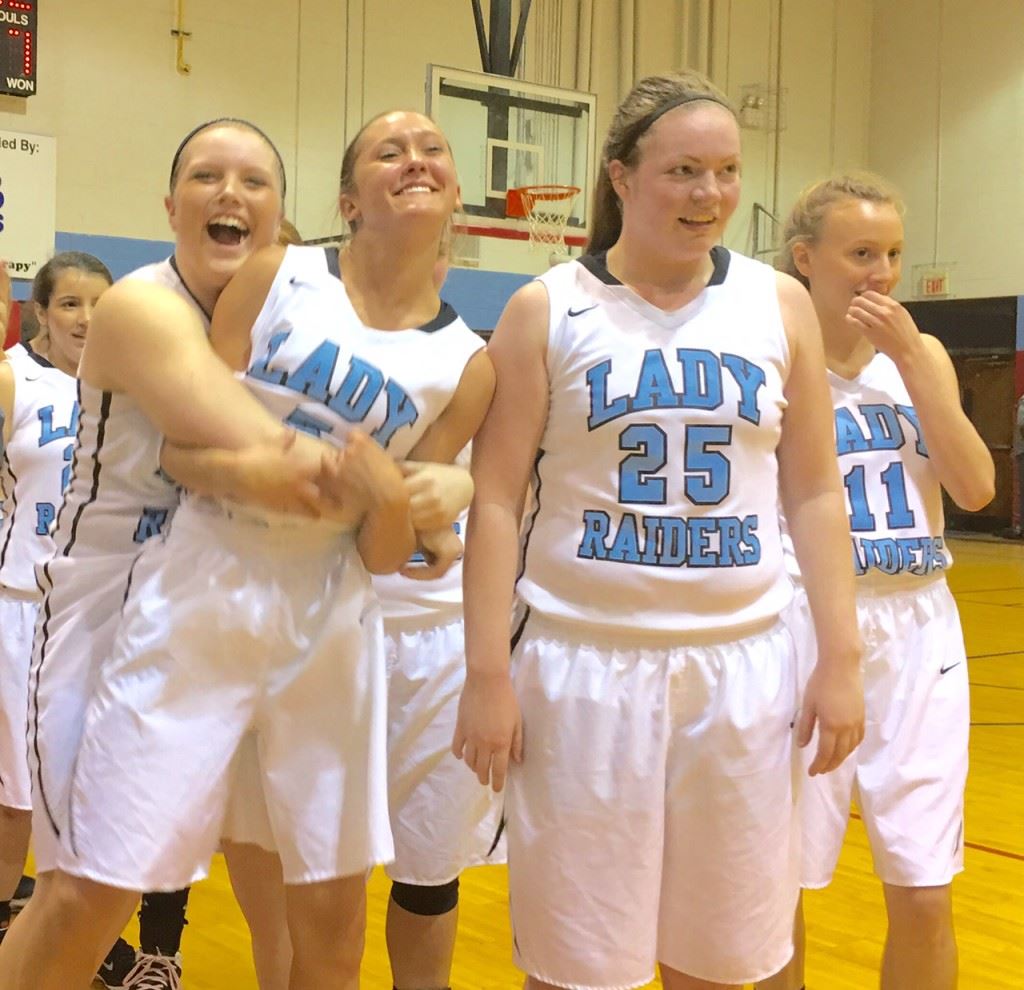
[[442, 547], [289, 473], [960, 458], [438, 493], [815, 510], [372, 480]]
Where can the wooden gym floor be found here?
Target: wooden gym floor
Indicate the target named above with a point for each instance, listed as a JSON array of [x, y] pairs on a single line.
[[846, 922]]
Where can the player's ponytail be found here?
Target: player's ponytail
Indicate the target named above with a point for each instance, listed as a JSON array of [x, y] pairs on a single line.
[[648, 100]]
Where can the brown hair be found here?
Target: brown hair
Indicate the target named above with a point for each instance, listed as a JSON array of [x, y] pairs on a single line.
[[649, 99], [45, 281], [807, 216], [347, 179], [239, 124]]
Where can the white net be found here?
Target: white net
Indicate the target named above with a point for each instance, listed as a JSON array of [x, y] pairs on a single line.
[[547, 210]]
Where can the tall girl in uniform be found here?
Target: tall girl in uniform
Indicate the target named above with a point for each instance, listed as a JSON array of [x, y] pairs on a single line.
[[281, 635], [38, 413], [901, 438], [442, 820], [159, 375], [666, 394]]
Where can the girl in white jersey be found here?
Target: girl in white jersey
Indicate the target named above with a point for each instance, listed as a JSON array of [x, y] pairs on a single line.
[[280, 637], [39, 412], [901, 437], [440, 824], [153, 372], [666, 394]]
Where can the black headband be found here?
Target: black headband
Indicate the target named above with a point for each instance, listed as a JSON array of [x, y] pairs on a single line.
[[644, 124], [227, 121]]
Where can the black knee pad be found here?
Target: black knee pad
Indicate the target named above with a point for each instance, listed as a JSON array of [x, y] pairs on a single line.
[[427, 901]]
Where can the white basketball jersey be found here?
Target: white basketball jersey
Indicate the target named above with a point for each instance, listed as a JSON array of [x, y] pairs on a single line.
[[118, 497], [36, 467], [656, 482], [892, 494], [317, 367]]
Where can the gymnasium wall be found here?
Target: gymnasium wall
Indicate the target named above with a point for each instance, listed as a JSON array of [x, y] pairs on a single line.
[[947, 125], [309, 71], [925, 91]]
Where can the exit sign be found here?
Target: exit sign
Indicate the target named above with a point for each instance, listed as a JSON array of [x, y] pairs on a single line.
[[933, 283]]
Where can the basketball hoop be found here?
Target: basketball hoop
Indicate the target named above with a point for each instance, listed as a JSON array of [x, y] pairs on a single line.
[[546, 210]]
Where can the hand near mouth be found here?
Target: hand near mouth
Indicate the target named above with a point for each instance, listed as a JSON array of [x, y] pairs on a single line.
[[885, 323]]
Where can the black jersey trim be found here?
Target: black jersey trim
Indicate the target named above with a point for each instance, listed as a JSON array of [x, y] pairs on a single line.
[[9, 517], [446, 315], [39, 359], [35, 671], [533, 515], [101, 432], [333, 258], [597, 265], [174, 267]]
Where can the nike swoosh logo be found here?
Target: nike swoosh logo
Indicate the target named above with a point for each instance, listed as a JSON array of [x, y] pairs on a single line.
[[580, 312], [946, 670]]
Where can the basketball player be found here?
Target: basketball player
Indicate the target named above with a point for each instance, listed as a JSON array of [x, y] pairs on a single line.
[[442, 821], [901, 437], [224, 201], [280, 636], [39, 412], [667, 394]]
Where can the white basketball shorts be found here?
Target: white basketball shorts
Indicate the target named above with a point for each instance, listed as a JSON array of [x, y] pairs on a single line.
[[17, 625], [442, 818], [908, 775], [75, 632], [652, 818], [232, 627]]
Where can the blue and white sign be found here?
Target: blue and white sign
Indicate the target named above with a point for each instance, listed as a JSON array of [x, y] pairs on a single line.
[[28, 201]]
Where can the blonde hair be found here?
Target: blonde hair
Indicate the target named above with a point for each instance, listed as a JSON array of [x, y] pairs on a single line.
[[807, 217], [648, 100]]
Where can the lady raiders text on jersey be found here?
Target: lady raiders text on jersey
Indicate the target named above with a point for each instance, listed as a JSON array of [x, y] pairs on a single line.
[[118, 496], [36, 467], [893, 496], [318, 368], [657, 464]]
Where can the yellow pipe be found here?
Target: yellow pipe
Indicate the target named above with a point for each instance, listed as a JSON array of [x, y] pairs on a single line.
[[180, 35]]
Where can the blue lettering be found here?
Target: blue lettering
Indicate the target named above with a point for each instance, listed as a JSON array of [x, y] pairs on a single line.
[[883, 426], [654, 387], [151, 523], [909, 413], [701, 531], [45, 515], [750, 379], [358, 391], [260, 369], [299, 419], [626, 547], [600, 410], [595, 530], [702, 378], [313, 376], [65, 475], [849, 438], [401, 412], [48, 432]]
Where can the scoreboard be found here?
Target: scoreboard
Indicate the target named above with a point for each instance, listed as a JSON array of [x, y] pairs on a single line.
[[18, 45]]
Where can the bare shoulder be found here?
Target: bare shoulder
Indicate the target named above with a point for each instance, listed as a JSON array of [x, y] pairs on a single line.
[[523, 325], [258, 272]]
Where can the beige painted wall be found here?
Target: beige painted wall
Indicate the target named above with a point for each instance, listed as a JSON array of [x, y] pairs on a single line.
[[947, 126]]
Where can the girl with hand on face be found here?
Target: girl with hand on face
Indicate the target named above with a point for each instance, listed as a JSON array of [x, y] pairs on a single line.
[[38, 417], [901, 437]]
